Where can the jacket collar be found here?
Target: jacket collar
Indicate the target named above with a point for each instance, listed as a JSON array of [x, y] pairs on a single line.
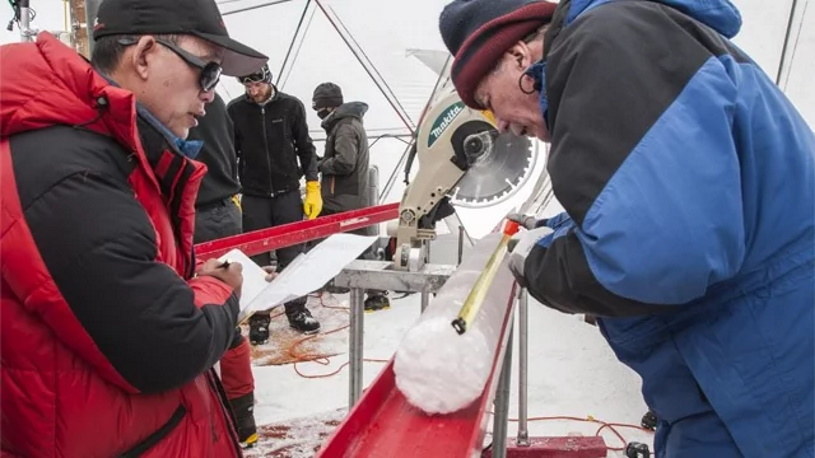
[[272, 97]]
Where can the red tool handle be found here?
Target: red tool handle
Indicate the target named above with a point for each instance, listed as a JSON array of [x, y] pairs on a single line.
[[511, 227]]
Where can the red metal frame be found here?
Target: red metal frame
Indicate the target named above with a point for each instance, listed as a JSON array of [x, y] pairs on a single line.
[[264, 240], [556, 447], [384, 424]]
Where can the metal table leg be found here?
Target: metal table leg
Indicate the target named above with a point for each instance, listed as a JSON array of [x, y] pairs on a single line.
[[523, 368], [355, 346], [425, 300], [501, 418]]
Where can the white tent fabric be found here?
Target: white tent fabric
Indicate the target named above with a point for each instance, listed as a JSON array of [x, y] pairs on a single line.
[[402, 42]]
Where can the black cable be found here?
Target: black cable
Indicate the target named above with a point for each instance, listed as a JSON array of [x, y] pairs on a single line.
[[293, 40], [376, 138], [385, 130], [15, 7], [795, 46], [786, 43], [393, 136], [249, 8], [404, 295], [392, 179]]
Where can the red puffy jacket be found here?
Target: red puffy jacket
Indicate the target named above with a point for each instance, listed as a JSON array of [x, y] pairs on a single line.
[[107, 339]]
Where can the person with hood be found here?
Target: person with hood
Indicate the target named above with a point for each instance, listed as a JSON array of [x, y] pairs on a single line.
[[345, 163], [274, 150], [110, 327], [688, 181]]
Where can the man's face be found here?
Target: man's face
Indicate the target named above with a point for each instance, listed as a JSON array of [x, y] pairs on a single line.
[[258, 91], [170, 87], [514, 110]]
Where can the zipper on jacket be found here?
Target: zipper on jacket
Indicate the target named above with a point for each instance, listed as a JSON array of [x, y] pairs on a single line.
[[229, 416], [157, 436], [266, 148]]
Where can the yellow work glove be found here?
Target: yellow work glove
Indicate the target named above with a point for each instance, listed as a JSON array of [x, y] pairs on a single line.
[[313, 203]]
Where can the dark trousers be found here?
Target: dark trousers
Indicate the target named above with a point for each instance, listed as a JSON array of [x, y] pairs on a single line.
[[214, 221], [264, 212], [217, 220]]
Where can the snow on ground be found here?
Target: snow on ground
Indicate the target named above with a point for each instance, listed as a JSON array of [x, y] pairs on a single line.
[[296, 438], [572, 372]]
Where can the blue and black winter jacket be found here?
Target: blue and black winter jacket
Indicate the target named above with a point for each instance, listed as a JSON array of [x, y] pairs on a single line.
[[689, 179]]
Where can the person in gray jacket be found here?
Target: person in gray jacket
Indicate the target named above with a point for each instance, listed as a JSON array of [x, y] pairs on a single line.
[[344, 166]]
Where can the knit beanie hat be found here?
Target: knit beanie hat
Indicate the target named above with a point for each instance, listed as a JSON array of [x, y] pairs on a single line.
[[478, 32], [326, 95]]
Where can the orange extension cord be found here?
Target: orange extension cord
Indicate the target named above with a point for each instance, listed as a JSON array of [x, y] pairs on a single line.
[[322, 359]]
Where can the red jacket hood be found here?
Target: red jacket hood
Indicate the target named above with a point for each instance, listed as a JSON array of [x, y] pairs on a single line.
[[47, 83]]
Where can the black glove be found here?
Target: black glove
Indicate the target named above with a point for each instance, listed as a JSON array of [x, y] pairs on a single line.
[[520, 245]]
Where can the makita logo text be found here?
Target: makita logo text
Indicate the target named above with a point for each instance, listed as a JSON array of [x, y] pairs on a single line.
[[443, 122]]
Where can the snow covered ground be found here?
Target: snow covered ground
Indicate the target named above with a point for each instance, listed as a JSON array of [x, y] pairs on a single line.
[[572, 372]]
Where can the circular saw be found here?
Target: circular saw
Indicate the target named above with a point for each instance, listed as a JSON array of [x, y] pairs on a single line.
[[463, 159], [497, 174]]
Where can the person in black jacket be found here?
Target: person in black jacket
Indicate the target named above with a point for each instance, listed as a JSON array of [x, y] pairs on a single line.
[[217, 208], [271, 135], [218, 215]]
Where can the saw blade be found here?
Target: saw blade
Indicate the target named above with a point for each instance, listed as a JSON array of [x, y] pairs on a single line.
[[497, 174]]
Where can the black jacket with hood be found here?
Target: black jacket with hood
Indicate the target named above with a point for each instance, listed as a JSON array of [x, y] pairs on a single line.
[[345, 164], [269, 138]]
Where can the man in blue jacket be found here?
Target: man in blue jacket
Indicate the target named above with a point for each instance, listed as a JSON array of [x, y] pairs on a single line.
[[688, 182]]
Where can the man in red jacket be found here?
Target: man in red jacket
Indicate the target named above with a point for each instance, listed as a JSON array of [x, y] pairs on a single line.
[[108, 332]]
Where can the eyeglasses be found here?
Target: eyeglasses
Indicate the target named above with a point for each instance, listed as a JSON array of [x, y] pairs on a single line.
[[210, 71]]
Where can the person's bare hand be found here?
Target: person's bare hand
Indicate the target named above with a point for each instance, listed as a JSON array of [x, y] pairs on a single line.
[[271, 272], [230, 273]]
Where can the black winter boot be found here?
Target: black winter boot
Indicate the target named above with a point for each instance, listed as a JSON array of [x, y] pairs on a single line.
[[302, 321], [259, 328], [649, 421], [377, 301], [244, 410]]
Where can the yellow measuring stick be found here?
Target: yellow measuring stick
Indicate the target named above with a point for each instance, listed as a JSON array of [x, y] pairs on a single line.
[[475, 299]]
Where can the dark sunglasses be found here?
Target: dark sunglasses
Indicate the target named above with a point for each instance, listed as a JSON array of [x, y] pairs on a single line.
[[210, 71]]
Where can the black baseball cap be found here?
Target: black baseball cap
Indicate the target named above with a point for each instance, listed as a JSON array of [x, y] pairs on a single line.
[[200, 18]]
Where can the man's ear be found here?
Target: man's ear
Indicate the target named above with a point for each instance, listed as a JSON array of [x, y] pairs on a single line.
[[521, 55], [143, 53]]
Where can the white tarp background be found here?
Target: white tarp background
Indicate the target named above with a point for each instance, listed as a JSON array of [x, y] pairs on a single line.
[[386, 30]]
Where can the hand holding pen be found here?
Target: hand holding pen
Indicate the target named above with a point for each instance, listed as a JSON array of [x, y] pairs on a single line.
[[228, 272]]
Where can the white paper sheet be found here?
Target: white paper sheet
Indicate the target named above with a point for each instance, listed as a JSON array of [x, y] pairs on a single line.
[[306, 273]]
